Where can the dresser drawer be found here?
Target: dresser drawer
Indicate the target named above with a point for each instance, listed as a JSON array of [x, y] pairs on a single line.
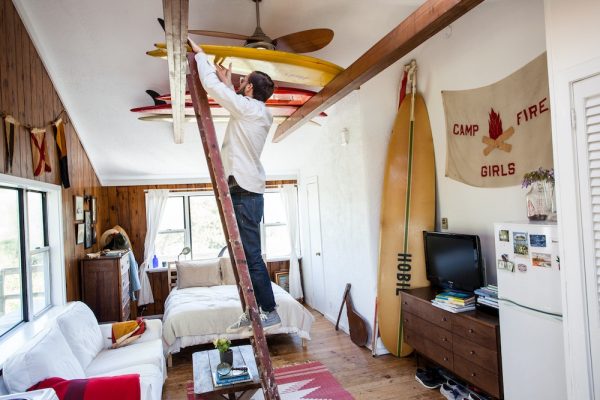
[[427, 311], [477, 375], [427, 330], [475, 353], [475, 331], [429, 349]]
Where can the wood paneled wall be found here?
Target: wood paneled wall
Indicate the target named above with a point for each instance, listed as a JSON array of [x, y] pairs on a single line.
[[127, 208], [27, 93]]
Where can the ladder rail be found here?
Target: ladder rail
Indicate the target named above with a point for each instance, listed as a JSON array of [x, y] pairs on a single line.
[[230, 228]]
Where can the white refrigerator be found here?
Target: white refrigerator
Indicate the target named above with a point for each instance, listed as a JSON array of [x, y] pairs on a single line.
[[529, 296]]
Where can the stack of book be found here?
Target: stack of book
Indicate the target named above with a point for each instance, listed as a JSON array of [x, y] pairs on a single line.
[[488, 296], [235, 376], [454, 301]]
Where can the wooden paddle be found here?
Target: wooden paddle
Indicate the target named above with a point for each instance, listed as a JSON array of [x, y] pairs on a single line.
[[359, 333]]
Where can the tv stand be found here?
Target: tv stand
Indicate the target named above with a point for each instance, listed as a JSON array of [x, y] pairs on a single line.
[[466, 344]]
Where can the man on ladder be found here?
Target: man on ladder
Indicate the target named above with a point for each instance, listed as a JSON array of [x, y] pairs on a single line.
[[244, 140]]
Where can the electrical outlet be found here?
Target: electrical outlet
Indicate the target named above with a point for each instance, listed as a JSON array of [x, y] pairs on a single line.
[[444, 223]]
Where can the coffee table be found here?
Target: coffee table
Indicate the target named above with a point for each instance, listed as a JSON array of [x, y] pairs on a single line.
[[205, 365]]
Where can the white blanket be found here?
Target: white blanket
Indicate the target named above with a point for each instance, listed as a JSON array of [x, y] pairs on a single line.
[[203, 313]]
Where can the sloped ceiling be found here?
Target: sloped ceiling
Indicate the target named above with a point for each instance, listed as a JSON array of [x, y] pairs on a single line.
[[94, 52]]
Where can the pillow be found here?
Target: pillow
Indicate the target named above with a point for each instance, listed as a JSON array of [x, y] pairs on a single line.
[[49, 356], [127, 332], [227, 271], [198, 273], [127, 387], [80, 329]]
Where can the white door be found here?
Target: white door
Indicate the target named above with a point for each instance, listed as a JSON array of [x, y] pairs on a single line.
[[586, 108], [319, 300]]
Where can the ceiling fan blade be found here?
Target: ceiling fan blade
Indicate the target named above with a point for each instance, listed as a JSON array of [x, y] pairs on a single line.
[[304, 41], [225, 35]]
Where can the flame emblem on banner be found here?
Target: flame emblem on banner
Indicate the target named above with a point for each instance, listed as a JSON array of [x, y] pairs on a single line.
[[497, 135]]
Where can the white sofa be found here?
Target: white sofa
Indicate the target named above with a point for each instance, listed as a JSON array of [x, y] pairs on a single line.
[[74, 346]]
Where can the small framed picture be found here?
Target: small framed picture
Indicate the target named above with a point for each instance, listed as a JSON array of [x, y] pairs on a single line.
[[94, 210], [80, 233], [78, 208], [88, 229], [283, 279]]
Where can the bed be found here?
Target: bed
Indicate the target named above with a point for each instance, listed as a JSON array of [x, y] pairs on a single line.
[[204, 301]]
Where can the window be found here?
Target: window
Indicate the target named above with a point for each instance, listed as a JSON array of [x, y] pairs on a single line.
[[192, 220], [25, 284], [276, 237]]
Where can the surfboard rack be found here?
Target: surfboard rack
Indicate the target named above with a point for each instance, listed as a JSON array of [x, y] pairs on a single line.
[[230, 228]]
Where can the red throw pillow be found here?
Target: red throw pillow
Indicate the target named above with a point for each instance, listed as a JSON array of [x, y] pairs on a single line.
[[123, 387]]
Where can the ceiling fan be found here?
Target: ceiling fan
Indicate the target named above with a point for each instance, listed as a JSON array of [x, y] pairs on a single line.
[[298, 42]]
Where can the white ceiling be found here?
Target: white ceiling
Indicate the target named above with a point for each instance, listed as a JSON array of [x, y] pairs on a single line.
[[94, 52]]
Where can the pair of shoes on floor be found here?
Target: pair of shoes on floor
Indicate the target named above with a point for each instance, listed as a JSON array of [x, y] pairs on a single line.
[[452, 390], [430, 378], [270, 320]]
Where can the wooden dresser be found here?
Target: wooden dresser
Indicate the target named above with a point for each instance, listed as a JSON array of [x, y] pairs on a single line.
[[467, 344], [105, 287]]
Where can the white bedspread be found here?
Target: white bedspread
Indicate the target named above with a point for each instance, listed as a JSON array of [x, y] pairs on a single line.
[[200, 314]]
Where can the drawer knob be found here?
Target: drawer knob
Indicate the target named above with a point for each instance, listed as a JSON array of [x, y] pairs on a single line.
[[405, 303], [444, 339], [445, 358], [473, 374], [405, 319], [471, 330], [471, 352], [444, 319]]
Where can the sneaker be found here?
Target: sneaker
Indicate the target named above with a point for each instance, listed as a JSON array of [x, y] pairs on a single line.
[[450, 393], [461, 391], [429, 378], [475, 396], [241, 326], [270, 320]]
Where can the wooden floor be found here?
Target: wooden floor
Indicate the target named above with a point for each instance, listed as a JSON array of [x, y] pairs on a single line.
[[365, 377]]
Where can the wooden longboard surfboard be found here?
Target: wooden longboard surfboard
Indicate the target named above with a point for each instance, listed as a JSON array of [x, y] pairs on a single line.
[[407, 209], [279, 65], [192, 119]]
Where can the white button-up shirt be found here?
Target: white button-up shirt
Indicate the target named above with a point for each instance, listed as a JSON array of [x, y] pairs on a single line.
[[246, 131]]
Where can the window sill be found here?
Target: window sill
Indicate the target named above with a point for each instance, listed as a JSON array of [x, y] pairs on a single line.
[[14, 340]]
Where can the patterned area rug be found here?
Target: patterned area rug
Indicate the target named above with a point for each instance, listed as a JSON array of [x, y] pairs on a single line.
[[308, 381]]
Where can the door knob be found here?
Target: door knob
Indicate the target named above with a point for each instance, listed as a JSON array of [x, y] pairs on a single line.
[[318, 253]]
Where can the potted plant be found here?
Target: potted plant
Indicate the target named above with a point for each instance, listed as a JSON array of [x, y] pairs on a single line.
[[225, 352], [540, 198]]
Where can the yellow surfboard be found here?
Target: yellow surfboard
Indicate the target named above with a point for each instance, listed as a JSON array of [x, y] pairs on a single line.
[[279, 65], [407, 209]]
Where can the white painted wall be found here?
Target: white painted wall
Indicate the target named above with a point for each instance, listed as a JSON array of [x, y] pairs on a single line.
[[572, 33], [484, 46]]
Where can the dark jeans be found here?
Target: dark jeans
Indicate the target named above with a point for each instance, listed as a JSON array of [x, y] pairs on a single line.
[[249, 209]]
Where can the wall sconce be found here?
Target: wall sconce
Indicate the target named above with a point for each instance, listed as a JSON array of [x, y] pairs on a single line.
[[344, 136]]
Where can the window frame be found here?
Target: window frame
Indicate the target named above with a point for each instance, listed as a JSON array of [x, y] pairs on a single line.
[[54, 246]]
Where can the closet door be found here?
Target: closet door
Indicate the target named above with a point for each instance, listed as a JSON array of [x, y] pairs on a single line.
[[586, 124]]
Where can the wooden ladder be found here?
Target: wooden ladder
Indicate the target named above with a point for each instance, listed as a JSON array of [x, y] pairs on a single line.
[[230, 228]]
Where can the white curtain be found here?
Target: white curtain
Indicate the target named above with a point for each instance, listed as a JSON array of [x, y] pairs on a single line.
[[289, 196], [156, 200]]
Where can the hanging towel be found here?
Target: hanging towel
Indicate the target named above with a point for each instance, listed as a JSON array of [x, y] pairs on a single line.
[[134, 278]]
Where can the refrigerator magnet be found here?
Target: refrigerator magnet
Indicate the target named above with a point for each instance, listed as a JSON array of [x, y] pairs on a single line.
[[522, 267], [520, 243], [537, 240], [503, 235], [541, 260]]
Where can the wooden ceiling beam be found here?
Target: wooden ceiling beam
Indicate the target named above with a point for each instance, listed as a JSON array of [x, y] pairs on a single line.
[[176, 27], [426, 21]]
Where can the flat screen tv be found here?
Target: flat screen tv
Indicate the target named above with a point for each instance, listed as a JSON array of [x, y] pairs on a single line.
[[453, 260]]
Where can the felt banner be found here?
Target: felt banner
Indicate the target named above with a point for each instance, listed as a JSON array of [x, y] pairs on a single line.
[[58, 127], [38, 151], [9, 124], [497, 133]]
